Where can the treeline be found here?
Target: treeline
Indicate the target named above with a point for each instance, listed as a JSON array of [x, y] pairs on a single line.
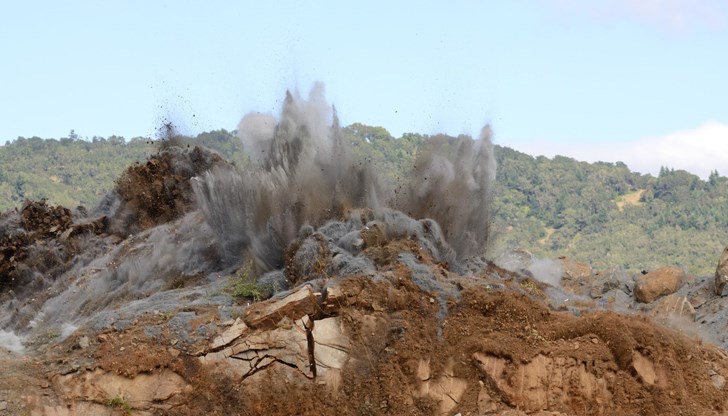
[[69, 171], [607, 215], [600, 213]]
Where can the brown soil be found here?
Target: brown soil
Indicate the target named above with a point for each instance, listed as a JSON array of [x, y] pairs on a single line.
[[42, 242], [159, 190], [607, 363], [499, 351]]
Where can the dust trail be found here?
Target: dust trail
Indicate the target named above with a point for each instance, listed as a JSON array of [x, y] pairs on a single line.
[[547, 271], [304, 173], [11, 342], [452, 184], [544, 270]]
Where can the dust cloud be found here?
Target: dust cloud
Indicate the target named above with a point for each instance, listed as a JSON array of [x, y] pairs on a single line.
[[452, 184], [304, 173], [187, 217]]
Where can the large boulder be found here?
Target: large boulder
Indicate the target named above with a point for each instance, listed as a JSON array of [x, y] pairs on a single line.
[[721, 273], [658, 283]]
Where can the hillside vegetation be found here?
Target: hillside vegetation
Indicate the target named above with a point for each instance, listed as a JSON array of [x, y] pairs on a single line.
[[600, 213]]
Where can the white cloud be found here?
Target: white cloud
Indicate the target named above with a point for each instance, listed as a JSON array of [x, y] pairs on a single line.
[[673, 15], [699, 150]]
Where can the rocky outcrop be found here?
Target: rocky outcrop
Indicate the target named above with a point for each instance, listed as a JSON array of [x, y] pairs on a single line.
[[658, 283], [160, 390], [303, 347], [370, 313], [283, 333], [721, 273], [268, 314]]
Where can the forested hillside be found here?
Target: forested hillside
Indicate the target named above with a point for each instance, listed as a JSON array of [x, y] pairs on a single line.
[[607, 215], [600, 213]]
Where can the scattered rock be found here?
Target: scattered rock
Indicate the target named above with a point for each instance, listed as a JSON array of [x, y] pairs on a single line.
[[612, 279], [575, 273], [618, 299], [515, 260]]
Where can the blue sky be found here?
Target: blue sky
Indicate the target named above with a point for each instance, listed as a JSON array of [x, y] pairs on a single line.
[[635, 80]]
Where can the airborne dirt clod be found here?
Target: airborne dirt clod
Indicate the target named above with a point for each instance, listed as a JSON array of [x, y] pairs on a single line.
[[350, 307]]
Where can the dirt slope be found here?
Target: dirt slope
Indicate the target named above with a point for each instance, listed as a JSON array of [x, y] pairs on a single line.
[[368, 317], [379, 346]]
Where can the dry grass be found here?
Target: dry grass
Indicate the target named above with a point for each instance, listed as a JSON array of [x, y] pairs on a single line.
[[549, 233], [632, 198]]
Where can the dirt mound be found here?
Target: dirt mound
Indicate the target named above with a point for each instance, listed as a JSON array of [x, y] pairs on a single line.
[[38, 243], [499, 351], [159, 190], [42, 218], [367, 346]]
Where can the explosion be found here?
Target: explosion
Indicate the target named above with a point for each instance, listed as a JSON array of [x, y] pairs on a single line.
[[303, 173]]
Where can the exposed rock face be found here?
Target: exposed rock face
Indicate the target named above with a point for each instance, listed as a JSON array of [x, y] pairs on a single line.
[[447, 389], [161, 390], [268, 314], [658, 283], [377, 345], [312, 349], [544, 382], [554, 365], [282, 333], [721, 273]]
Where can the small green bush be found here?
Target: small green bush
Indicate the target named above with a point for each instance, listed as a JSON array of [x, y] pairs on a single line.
[[119, 402], [244, 285]]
